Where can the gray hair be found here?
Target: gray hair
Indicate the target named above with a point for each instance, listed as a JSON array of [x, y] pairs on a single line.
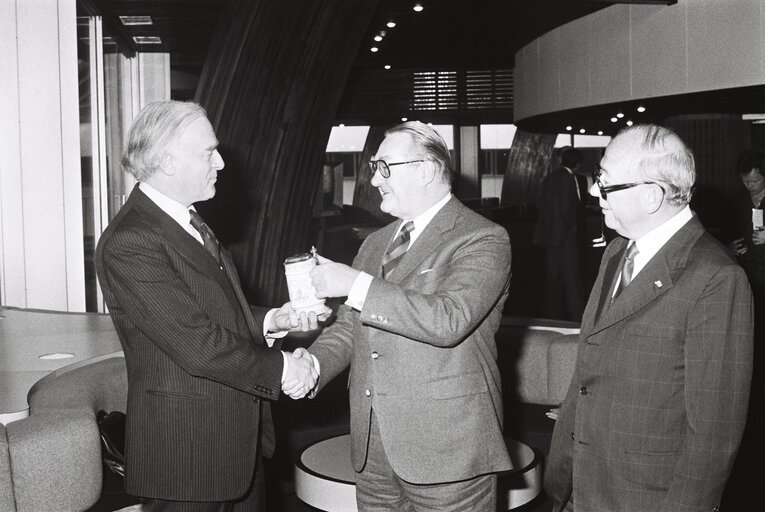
[[156, 127], [431, 143], [665, 158]]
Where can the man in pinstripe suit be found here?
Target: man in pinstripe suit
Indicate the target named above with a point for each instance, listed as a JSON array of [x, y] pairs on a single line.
[[657, 404], [200, 371]]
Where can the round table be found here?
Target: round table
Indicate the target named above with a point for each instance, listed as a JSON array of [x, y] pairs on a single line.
[[324, 478]]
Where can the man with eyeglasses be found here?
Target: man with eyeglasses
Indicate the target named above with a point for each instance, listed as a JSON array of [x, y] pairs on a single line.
[[656, 408], [425, 297]]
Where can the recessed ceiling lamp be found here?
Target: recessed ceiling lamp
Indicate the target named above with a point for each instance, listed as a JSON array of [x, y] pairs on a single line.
[[136, 20], [387, 66], [641, 108], [378, 38], [600, 132], [613, 119], [147, 40], [391, 24], [629, 123], [404, 119], [581, 130], [568, 128], [619, 115], [417, 7], [374, 49]]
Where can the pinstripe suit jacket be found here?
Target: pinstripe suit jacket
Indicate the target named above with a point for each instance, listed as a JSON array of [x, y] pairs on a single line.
[[657, 405], [196, 359], [422, 349]]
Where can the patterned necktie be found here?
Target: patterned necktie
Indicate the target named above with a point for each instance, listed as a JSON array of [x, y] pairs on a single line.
[[208, 237], [629, 265], [397, 249]]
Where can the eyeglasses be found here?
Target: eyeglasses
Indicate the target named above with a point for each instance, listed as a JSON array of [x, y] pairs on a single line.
[[606, 189], [383, 167]]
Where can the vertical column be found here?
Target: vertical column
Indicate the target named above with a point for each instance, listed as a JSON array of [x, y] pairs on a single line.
[[470, 177], [41, 235]]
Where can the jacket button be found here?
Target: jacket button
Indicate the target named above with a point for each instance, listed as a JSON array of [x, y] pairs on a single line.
[[375, 355], [367, 392], [583, 390], [373, 316]]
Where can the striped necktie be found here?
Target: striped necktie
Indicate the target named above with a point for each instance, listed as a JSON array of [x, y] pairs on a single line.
[[397, 249], [208, 237], [629, 265]]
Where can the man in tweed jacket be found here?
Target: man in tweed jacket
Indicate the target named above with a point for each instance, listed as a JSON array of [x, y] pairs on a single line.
[[200, 373], [426, 406], [657, 404]]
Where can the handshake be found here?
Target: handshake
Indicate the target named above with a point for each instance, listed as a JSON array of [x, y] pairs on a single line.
[[301, 373]]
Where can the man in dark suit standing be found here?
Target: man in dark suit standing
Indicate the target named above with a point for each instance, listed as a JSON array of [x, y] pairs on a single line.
[[557, 230], [657, 404], [425, 297], [200, 372]]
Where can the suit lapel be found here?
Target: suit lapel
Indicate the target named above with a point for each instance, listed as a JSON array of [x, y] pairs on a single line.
[[428, 240], [196, 255], [653, 281]]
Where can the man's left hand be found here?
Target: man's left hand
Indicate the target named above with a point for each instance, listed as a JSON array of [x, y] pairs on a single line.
[[332, 279], [287, 319]]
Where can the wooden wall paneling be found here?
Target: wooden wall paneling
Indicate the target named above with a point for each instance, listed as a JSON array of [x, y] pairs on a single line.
[[271, 84], [527, 164]]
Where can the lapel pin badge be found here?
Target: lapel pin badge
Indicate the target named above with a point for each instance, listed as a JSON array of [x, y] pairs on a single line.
[[657, 283]]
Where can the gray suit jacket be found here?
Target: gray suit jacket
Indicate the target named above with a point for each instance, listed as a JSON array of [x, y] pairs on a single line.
[[422, 350], [196, 359], [657, 405]]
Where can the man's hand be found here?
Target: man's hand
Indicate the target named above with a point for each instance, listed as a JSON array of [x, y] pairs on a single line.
[[287, 319], [758, 237], [300, 374], [332, 279]]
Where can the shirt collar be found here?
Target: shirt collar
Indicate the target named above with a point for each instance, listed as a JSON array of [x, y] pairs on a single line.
[[178, 212], [650, 243], [423, 219]]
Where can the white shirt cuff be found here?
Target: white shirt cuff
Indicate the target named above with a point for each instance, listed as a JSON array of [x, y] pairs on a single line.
[[271, 336], [359, 290]]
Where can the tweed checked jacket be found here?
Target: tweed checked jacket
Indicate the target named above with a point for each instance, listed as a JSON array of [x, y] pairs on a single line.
[[196, 359], [422, 350], [657, 405]]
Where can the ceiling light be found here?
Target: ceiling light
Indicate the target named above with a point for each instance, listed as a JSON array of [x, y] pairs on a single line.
[[374, 49], [417, 7], [391, 24], [581, 130], [600, 132], [387, 66], [404, 119], [378, 38], [629, 123], [136, 20], [147, 40], [641, 108], [568, 128], [613, 119], [619, 115], [341, 125]]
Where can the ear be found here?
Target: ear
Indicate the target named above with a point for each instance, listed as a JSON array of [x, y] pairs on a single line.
[[428, 171], [653, 198], [167, 164]]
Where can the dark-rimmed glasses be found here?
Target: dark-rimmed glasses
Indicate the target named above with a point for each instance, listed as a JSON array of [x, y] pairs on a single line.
[[606, 189], [383, 167]]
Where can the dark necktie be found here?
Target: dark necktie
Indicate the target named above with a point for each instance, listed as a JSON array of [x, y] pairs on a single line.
[[208, 237], [397, 249], [629, 265]]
